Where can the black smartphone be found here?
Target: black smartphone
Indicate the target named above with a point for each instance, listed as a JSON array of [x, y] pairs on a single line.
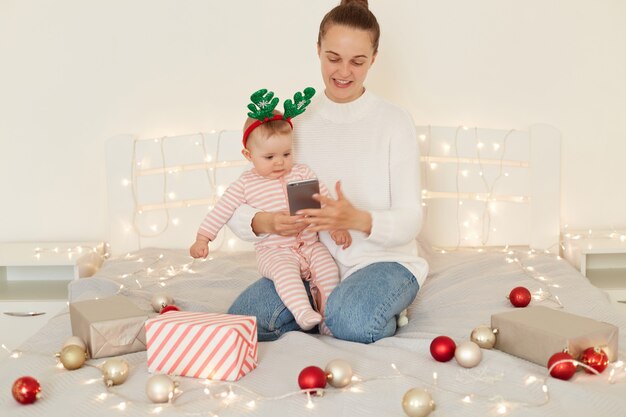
[[300, 195]]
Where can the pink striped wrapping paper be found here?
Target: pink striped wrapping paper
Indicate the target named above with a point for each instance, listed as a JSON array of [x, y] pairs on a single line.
[[202, 345]]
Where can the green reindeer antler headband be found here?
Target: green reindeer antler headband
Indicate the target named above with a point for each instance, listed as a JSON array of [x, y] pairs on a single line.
[[264, 103]]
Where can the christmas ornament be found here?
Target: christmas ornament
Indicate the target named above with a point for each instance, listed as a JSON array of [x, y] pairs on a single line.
[[76, 341], [468, 354], [338, 373], [484, 336], [595, 358], [563, 370], [442, 348], [72, 357], [169, 308], [160, 388], [160, 300], [520, 296], [312, 377], [26, 390], [417, 403], [114, 371]]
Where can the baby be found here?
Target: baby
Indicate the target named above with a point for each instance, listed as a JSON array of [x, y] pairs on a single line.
[[286, 260]]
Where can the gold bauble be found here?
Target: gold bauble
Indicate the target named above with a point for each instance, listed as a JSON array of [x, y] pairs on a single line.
[[114, 371], [160, 388], [468, 354], [338, 373], [417, 403], [483, 336], [72, 357], [160, 300]]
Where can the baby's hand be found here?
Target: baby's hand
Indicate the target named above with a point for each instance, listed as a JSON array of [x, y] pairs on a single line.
[[341, 237], [200, 249]]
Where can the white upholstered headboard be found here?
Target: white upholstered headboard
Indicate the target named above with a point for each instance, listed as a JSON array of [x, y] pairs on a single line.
[[481, 187]]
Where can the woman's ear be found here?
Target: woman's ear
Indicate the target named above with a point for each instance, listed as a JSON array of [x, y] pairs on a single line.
[[246, 154]]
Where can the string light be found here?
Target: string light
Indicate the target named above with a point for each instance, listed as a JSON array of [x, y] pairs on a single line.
[[222, 395], [70, 251], [170, 199], [491, 200]]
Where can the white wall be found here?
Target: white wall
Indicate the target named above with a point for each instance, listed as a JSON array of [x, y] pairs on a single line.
[[73, 73]]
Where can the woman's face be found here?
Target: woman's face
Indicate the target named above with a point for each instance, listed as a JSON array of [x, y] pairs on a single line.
[[346, 55]]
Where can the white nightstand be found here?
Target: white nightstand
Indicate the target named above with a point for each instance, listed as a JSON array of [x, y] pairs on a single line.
[[600, 256], [34, 278]]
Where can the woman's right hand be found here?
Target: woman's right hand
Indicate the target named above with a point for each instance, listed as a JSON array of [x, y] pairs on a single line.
[[277, 223]]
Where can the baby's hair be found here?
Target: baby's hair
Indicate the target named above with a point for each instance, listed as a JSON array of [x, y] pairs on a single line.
[[269, 128], [354, 14]]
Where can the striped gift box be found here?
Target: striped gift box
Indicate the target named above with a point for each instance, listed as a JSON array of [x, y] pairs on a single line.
[[202, 345]]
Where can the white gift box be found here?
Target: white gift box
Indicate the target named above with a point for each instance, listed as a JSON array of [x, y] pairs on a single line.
[[202, 345]]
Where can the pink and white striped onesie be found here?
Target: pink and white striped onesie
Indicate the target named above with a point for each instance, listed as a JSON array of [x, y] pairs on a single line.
[[286, 260]]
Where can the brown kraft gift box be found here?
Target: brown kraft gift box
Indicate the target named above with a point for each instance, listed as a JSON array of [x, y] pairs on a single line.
[[536, 333], [109, 326]]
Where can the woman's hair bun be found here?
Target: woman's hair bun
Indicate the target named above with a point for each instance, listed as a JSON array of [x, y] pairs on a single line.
[[355, 2]]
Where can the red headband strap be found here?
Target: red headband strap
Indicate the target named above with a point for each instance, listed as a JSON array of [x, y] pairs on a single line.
[[260, 122]]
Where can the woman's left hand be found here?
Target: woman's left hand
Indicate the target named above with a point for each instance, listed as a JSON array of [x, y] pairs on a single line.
[[336, 214]]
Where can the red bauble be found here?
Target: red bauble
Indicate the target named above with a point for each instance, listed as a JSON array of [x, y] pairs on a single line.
[[26, 390], [169, 308], [520, 296], [312, 377], [595, 358], [442, 348], [564, 370]]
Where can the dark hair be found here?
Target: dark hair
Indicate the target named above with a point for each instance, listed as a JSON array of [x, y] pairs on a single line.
[[351, 13]]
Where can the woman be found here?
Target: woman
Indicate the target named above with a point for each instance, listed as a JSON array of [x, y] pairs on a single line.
[[367, 147]]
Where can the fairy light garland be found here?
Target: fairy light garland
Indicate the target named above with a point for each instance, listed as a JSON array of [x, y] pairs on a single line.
[[70, 251], [234, 395], [229, 394], [168, 198]]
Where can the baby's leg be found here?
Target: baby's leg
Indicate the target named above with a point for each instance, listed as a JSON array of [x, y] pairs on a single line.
[[283, 267], [324, 279]]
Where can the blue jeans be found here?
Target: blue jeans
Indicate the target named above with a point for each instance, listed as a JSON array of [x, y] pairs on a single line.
[[362, 308]]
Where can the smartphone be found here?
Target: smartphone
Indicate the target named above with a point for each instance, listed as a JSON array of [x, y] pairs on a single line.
[[300, 195]]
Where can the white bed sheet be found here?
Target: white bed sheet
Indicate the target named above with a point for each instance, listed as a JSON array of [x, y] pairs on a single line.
[[462, 291]]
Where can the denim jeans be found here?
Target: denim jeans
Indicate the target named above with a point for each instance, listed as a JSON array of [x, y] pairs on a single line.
[[362, 308]]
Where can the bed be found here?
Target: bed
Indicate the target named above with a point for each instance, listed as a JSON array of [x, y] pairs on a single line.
[[491, 200]]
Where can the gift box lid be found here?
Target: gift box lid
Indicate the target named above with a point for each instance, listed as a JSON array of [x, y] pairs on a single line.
[[108, 308], [110, 325], [554, 321], [535, 333]]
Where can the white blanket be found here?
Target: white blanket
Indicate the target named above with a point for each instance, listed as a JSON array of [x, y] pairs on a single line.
[[462, 292]]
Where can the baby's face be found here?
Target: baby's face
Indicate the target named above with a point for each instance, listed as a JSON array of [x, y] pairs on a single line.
[[271, 156]]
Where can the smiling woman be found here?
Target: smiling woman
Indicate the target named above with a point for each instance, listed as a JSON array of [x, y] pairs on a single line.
[[345, 130]]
